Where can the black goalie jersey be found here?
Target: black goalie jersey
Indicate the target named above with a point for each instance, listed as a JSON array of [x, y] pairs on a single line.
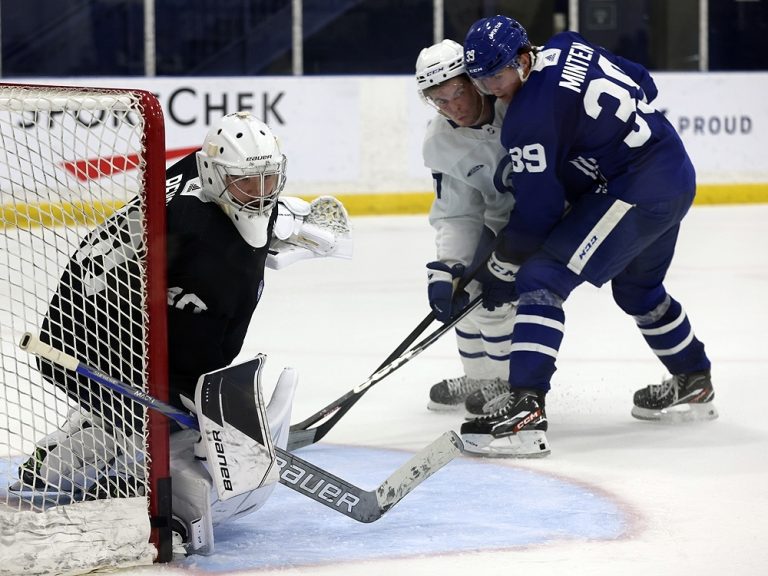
[[214, 282]]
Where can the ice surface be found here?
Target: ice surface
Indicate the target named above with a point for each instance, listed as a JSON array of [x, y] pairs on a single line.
[[616, 495]]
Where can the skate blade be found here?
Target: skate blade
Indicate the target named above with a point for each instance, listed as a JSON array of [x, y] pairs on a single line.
[[437, 407], [678, 414], [525, 444]]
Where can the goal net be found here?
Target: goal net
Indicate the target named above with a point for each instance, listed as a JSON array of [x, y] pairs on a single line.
[[83, 470]]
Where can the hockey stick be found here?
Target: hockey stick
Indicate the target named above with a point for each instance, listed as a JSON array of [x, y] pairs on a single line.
[[429, 318], [296, 473], [302, 435]]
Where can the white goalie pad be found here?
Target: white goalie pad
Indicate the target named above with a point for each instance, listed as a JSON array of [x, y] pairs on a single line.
[[195, 501], [309, 230], [78, 455], [234, 428]]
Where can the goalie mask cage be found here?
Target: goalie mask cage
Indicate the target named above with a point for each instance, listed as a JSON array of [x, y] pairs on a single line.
[[83, 471]]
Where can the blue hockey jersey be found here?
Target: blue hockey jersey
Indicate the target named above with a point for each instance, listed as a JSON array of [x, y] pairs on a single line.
[[583, 124]]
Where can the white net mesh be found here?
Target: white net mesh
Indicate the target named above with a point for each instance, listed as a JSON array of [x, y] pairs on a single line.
[[72, 270]]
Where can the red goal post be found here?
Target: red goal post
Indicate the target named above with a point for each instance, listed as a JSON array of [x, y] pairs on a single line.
[[70, 159]]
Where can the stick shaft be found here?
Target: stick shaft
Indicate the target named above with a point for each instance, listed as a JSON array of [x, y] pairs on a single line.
[[302, 434]]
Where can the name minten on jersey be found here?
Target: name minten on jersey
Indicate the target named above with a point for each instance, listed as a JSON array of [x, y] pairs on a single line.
[[575, 67]]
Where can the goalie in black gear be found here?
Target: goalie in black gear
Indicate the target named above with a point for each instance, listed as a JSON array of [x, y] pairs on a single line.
[[225, 223]]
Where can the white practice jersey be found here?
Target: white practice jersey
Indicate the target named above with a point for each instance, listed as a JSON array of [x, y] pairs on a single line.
[[470, 177]]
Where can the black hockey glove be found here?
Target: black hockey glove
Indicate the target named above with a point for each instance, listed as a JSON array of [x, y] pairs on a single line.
[[440, 289], [498, 280]]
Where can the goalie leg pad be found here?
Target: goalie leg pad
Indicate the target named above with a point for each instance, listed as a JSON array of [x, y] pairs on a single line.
[[281, 405], [78, 455], [195, 500], [192, 490], [235, 429], [279, 418]]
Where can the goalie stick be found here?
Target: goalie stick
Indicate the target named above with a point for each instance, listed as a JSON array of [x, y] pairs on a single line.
[[302, 435], [295, 473]]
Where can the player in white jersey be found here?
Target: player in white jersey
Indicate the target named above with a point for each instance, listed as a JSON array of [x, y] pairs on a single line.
[[472, 203]]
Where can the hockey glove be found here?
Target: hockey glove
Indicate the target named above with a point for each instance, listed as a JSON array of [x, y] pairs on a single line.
[[498, 280], [440, 289]]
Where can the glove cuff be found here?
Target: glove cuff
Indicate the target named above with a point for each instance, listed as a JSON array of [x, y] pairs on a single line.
[[505, 271], [451, 271]]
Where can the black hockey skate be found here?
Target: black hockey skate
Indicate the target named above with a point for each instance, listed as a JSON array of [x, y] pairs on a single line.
[[484, 400], [517, 428], [681, 398], [451, 392]]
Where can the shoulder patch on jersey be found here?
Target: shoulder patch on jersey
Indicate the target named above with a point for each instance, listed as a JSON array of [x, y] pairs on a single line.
[[193, 188], [548, 57], [474, 169]]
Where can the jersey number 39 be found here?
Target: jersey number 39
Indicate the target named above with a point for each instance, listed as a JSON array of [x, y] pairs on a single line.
[[617, 84]]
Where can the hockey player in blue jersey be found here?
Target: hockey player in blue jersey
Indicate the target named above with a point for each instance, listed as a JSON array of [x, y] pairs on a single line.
[[580, 132]]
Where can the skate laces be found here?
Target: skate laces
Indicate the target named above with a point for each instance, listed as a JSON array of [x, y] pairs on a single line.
[[668, 386], [496, 403], [493, 390], [501, 406], [460, 385]]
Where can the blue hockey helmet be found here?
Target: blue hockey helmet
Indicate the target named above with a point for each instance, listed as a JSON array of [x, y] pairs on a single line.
[[493, 44]]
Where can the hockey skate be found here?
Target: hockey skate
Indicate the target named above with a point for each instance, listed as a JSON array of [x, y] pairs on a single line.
[[681, 398], [485, 399], [451, 393], [517, 428]]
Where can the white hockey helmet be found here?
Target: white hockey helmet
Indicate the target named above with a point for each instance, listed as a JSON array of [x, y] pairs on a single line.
[[242, 169], [438, 63]]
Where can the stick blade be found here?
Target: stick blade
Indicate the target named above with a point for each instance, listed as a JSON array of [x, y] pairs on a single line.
[[300, 438], [423, 465]]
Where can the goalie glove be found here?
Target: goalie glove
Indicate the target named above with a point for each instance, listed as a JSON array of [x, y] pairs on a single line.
[[309, 230]]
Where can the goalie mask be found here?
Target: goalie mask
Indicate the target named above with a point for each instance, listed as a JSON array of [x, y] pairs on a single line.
[[242, 169]]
